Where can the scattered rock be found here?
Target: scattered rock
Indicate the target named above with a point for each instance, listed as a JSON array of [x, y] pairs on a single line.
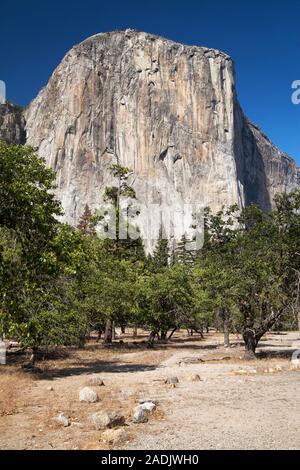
[[88, 395], [279, 368], [195, 378], [96, 381], [171, 380], [143, 400], [140, 415], [50, 389], [113, 436], [63, 420], [148, 406], [110, 419], [271, 370]]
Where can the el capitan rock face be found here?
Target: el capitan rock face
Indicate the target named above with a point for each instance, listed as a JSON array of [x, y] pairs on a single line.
[[167, 111], [12, 124]]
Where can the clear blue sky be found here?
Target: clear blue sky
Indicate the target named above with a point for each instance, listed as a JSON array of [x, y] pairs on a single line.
[[262, 36]]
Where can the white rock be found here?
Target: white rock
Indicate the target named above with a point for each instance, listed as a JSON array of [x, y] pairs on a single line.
[[172, 380], [148, 406], [96, 381], [148, 400], [110, 419], [140, 415], [63, 420], [195, 378], [88, 395]]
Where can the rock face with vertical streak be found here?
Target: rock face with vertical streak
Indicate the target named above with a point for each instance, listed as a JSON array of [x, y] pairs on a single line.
[[167, 111], [12, 124]]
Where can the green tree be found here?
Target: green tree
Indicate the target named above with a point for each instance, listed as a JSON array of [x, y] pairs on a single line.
[[165, 300], [33, 304], [161, 255]]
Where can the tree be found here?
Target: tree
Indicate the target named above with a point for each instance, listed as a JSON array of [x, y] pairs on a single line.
[[86, 223], [34, 305], [122, 245], [165, 300], [183, 253], [247, 261], [161, 254]]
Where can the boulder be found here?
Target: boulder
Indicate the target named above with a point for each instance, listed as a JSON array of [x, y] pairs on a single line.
[[148, 406], [172, 380], [140, 415], [63, 420], [195, 378], [96, 381], [88, 395], [110, 419]]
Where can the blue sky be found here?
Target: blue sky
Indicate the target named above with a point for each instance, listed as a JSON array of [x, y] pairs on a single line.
[[261, 36]]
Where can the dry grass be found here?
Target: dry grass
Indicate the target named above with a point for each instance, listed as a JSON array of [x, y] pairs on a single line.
[[13, 384]]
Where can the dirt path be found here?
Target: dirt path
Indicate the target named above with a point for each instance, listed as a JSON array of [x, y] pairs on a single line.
[[236, 405]]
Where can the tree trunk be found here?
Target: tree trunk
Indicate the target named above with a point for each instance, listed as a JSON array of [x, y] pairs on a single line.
[[151, 339], [99, 336], [250, 343], [113, 331], [163, 335], [172, 333], [33, 356], [108, 336], [226, 333], [123, 329], [135, 331], [200, 332], [299, 321]]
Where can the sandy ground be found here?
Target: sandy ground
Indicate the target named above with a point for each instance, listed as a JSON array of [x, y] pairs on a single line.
[[236, 405]]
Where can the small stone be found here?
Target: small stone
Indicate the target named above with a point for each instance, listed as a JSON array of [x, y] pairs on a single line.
[[140, 415], [110, 419], [195, 378], [96, 381], [50, 389], [171, 380], [113, 436], [63, 420], [88, 395], [148, 406], [143, 400], [279, 368], [271, 370]]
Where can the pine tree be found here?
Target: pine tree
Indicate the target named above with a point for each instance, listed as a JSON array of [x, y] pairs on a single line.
[[86, 224], [183, 253], [123, 248], [161, 254]]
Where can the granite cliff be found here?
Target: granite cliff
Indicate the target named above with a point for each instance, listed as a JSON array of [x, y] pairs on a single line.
[[167, 111]]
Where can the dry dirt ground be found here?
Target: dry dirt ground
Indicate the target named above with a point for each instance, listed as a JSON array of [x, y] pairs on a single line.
[[236, 405]]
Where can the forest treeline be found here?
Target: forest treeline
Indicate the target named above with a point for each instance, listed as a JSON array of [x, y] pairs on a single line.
[[59, 283]]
